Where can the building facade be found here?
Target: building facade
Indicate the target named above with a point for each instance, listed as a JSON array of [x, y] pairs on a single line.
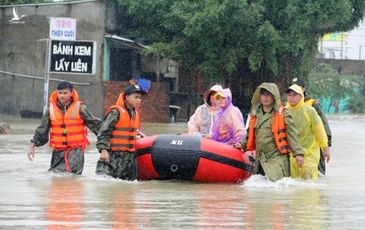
[[25, 56]]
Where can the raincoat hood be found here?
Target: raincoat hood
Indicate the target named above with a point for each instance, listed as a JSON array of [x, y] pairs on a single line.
[[227, 97], [228, 126], [206, 96], [273, 89]]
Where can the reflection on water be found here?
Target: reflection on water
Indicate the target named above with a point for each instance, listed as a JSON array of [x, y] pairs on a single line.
[[227, 206], [65, 207], [292, 205], [118, 205], [309, 201], [32, 198]]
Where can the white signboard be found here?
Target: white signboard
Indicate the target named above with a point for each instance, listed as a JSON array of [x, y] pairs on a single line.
[[62, 28]]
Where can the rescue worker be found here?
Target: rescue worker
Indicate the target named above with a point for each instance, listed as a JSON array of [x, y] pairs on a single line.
[[63, 125], [201, 121], [312, 102], [272, 134], [117, 136], [228, 126], [311, 133]]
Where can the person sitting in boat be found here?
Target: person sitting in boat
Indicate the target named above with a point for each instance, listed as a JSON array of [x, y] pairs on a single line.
[[228, 126], [272, 134], [200, 122], [311, 132]]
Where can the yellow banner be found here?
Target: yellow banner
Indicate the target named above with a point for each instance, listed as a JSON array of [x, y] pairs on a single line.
[[341, 36]]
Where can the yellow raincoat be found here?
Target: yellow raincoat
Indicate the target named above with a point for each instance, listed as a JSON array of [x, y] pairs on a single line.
[[312, 137]]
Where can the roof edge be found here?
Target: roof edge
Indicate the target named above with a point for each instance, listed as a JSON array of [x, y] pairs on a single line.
[[51, 3]]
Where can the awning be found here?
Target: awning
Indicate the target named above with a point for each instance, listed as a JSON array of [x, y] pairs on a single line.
[[126, 41]]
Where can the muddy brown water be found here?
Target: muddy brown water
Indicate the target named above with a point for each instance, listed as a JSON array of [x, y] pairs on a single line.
[[32, 198]]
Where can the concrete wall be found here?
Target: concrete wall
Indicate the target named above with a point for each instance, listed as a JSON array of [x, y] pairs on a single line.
[[356, 67], [23, 51]]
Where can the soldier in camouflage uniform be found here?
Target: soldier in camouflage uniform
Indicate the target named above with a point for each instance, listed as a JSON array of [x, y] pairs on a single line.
[[63, 125], [117, 137]]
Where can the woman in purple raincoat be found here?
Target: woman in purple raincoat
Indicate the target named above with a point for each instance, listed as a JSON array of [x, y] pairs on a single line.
[[228, 126]]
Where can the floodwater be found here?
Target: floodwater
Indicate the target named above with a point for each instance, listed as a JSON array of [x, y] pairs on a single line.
[[32, 198]]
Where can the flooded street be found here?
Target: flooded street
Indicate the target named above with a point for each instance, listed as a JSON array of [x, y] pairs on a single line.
[[32, 198]]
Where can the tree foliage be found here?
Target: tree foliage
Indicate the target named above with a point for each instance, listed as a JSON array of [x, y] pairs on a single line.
[[275, 37], [326, 83]]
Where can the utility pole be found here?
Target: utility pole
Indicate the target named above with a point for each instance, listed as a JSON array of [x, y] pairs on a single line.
[[341, 46], [360, 46], [46, 80]]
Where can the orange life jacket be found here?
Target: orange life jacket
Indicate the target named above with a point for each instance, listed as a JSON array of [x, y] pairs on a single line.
[[310, 101], [277, 128], [67, 130], [125, 130]]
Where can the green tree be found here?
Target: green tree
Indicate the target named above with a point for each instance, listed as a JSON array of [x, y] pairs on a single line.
[[326, 83], [204, 35], [278, 37], [240, 42]]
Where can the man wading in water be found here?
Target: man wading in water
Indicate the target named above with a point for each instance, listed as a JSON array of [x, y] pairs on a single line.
[[117, 136], [64, 124]]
